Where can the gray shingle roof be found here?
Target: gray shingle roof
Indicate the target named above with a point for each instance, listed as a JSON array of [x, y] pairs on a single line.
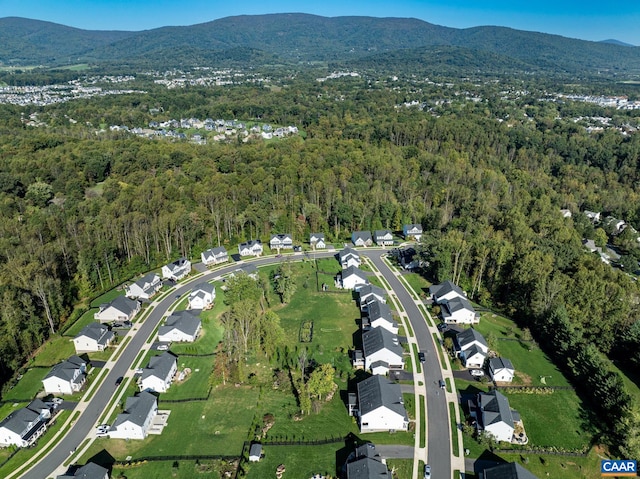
[[379, 310], [159, 366], [204, 287], [500, 363], [457, 304], [18, 421], [66, 369], [352, 270], [367, 468], [347, 252], [511, 470], [96, 331], [136, 409], [378, 391], [468, 336], [495, 408], [182, 321], [370, 290], [122, 304], [89, 471], [439, 290], [377, 339]]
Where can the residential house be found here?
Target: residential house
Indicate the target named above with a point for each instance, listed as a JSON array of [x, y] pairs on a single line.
[[255, 452], [458, 311], [613, 225], [145, 287], [413, 231], [177, 270], [281, 241], [119, 309], [409, 258], [23, 427], [445, 292], [565, 213], [202, 296], [349, 257], [501, 370], [510, 470], [471, 348], [135, 421], [89, 471], [379, 316], [92, 338], [66, 377], [181, 326], [249, 269], [382, 351], [593, 216], [368, 293], [250, 248], [352, 277], [494, 416], [361, 238], [380, 406], [215, 255], [383, 237], [366, 463], [317, 241], [159, 373]]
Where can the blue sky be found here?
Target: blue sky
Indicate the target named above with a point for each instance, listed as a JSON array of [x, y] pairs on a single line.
[[588, 19]]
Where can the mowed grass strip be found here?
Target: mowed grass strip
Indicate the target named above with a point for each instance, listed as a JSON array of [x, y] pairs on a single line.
[[195, 384]]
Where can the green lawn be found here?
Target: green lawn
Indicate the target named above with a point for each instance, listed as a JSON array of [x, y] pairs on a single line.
[[86, 318], [53, 351], [559, 467], [107, 297], [401, 468], [195, 385], [184, 470], [562, 409], [419, 284], [301, 462], [28, 386]]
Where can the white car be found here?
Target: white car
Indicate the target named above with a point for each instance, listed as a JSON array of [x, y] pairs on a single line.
[[477, 373], [427, 471], [163, 347]]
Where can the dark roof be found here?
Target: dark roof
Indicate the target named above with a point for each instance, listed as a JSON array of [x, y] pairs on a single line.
[[364, 235], [367, 464], [256, 449], [122, 304], [378, 310], [181, 320], [439, 290], [457, 304], [348, 252], [500, 363], [379, 233], [353, 270], [511, 470], [206, 287], [66, 369], [468, 336], [159, 366], [136, 409], [96, 331], [147, 278], [37, 405], [370, 289], [19, 420], [377, 339], [178, 264], [378, 391], [89, 471], [495, 408]]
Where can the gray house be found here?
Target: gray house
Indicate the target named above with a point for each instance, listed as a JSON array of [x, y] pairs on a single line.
[[135, 421], [381, 350], [366, 463], [380, 406], [119, 309], [66, 377], [93, 337], [89, 471], [361, 238], [145, 287], [215, 255]]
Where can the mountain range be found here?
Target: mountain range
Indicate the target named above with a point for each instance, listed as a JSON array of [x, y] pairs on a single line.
[[298, 39]]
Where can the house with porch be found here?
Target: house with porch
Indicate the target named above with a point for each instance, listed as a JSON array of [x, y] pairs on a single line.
[[351, 277], [501, 370], [369, 293], [118, 310], [23, 427], [471, 348], [380, 406], [458, 311], [214, 256], [317, 241], [145, 288], [250, 248], [412, 231], [361, 238], [159, 373], [446, 291], [349, 257], [181, 326], [137, 418], [382, 351], [383, 237], [202, 296], [66, 377], [92, 338], [281, 241], [494, 416], [379, 316], [177, 270]]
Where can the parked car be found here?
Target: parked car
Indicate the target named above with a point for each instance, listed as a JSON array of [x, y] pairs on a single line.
[[162, 347], [477, 373], [427, 471], [421, 356], [442, 326]]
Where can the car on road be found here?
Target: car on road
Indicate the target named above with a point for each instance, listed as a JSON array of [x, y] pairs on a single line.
[[119, 380], [421, 356], [441, 383], [427, 471], [477, 373]]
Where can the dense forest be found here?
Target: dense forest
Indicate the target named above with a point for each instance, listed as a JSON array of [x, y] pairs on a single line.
[[85, 208]]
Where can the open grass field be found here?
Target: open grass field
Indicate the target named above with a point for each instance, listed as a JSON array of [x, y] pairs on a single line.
[[86, 318], [195, 385], [107, 297], [175, 470], [559, 467], [28, 386], [301, 462], [417, 282], [53, 351]]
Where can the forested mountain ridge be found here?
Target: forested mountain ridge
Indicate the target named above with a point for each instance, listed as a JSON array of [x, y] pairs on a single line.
[[301, 38]]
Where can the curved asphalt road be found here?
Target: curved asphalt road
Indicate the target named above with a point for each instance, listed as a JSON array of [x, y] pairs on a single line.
[[437, 411]]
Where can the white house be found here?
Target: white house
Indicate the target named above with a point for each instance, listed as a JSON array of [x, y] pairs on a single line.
[[361, 238], [176, 270], [349, 257], [202, 296], [445, 292], [381, 350], [24, 426], [135, 421], [215, 255], [383, 237], [380, 406], [594, 216], [412, 231], [66, 377], [317, 241], [366, 463], [250, 248], [249, 269], [458, 311], [281, 241], [352, 277], [472, 348], [368, 293], [501, 370], [181, 326], [89, 471], [93, 337], [145, 287], [494, 416], [159, 373], [379, 316], [119, 309]]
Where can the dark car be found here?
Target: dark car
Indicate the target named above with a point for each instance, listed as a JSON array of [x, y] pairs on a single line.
[[421, 356], [442, 326], [441, 383], [119, 381]]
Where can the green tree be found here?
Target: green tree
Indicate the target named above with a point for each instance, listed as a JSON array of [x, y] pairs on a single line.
[[320, 381]]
